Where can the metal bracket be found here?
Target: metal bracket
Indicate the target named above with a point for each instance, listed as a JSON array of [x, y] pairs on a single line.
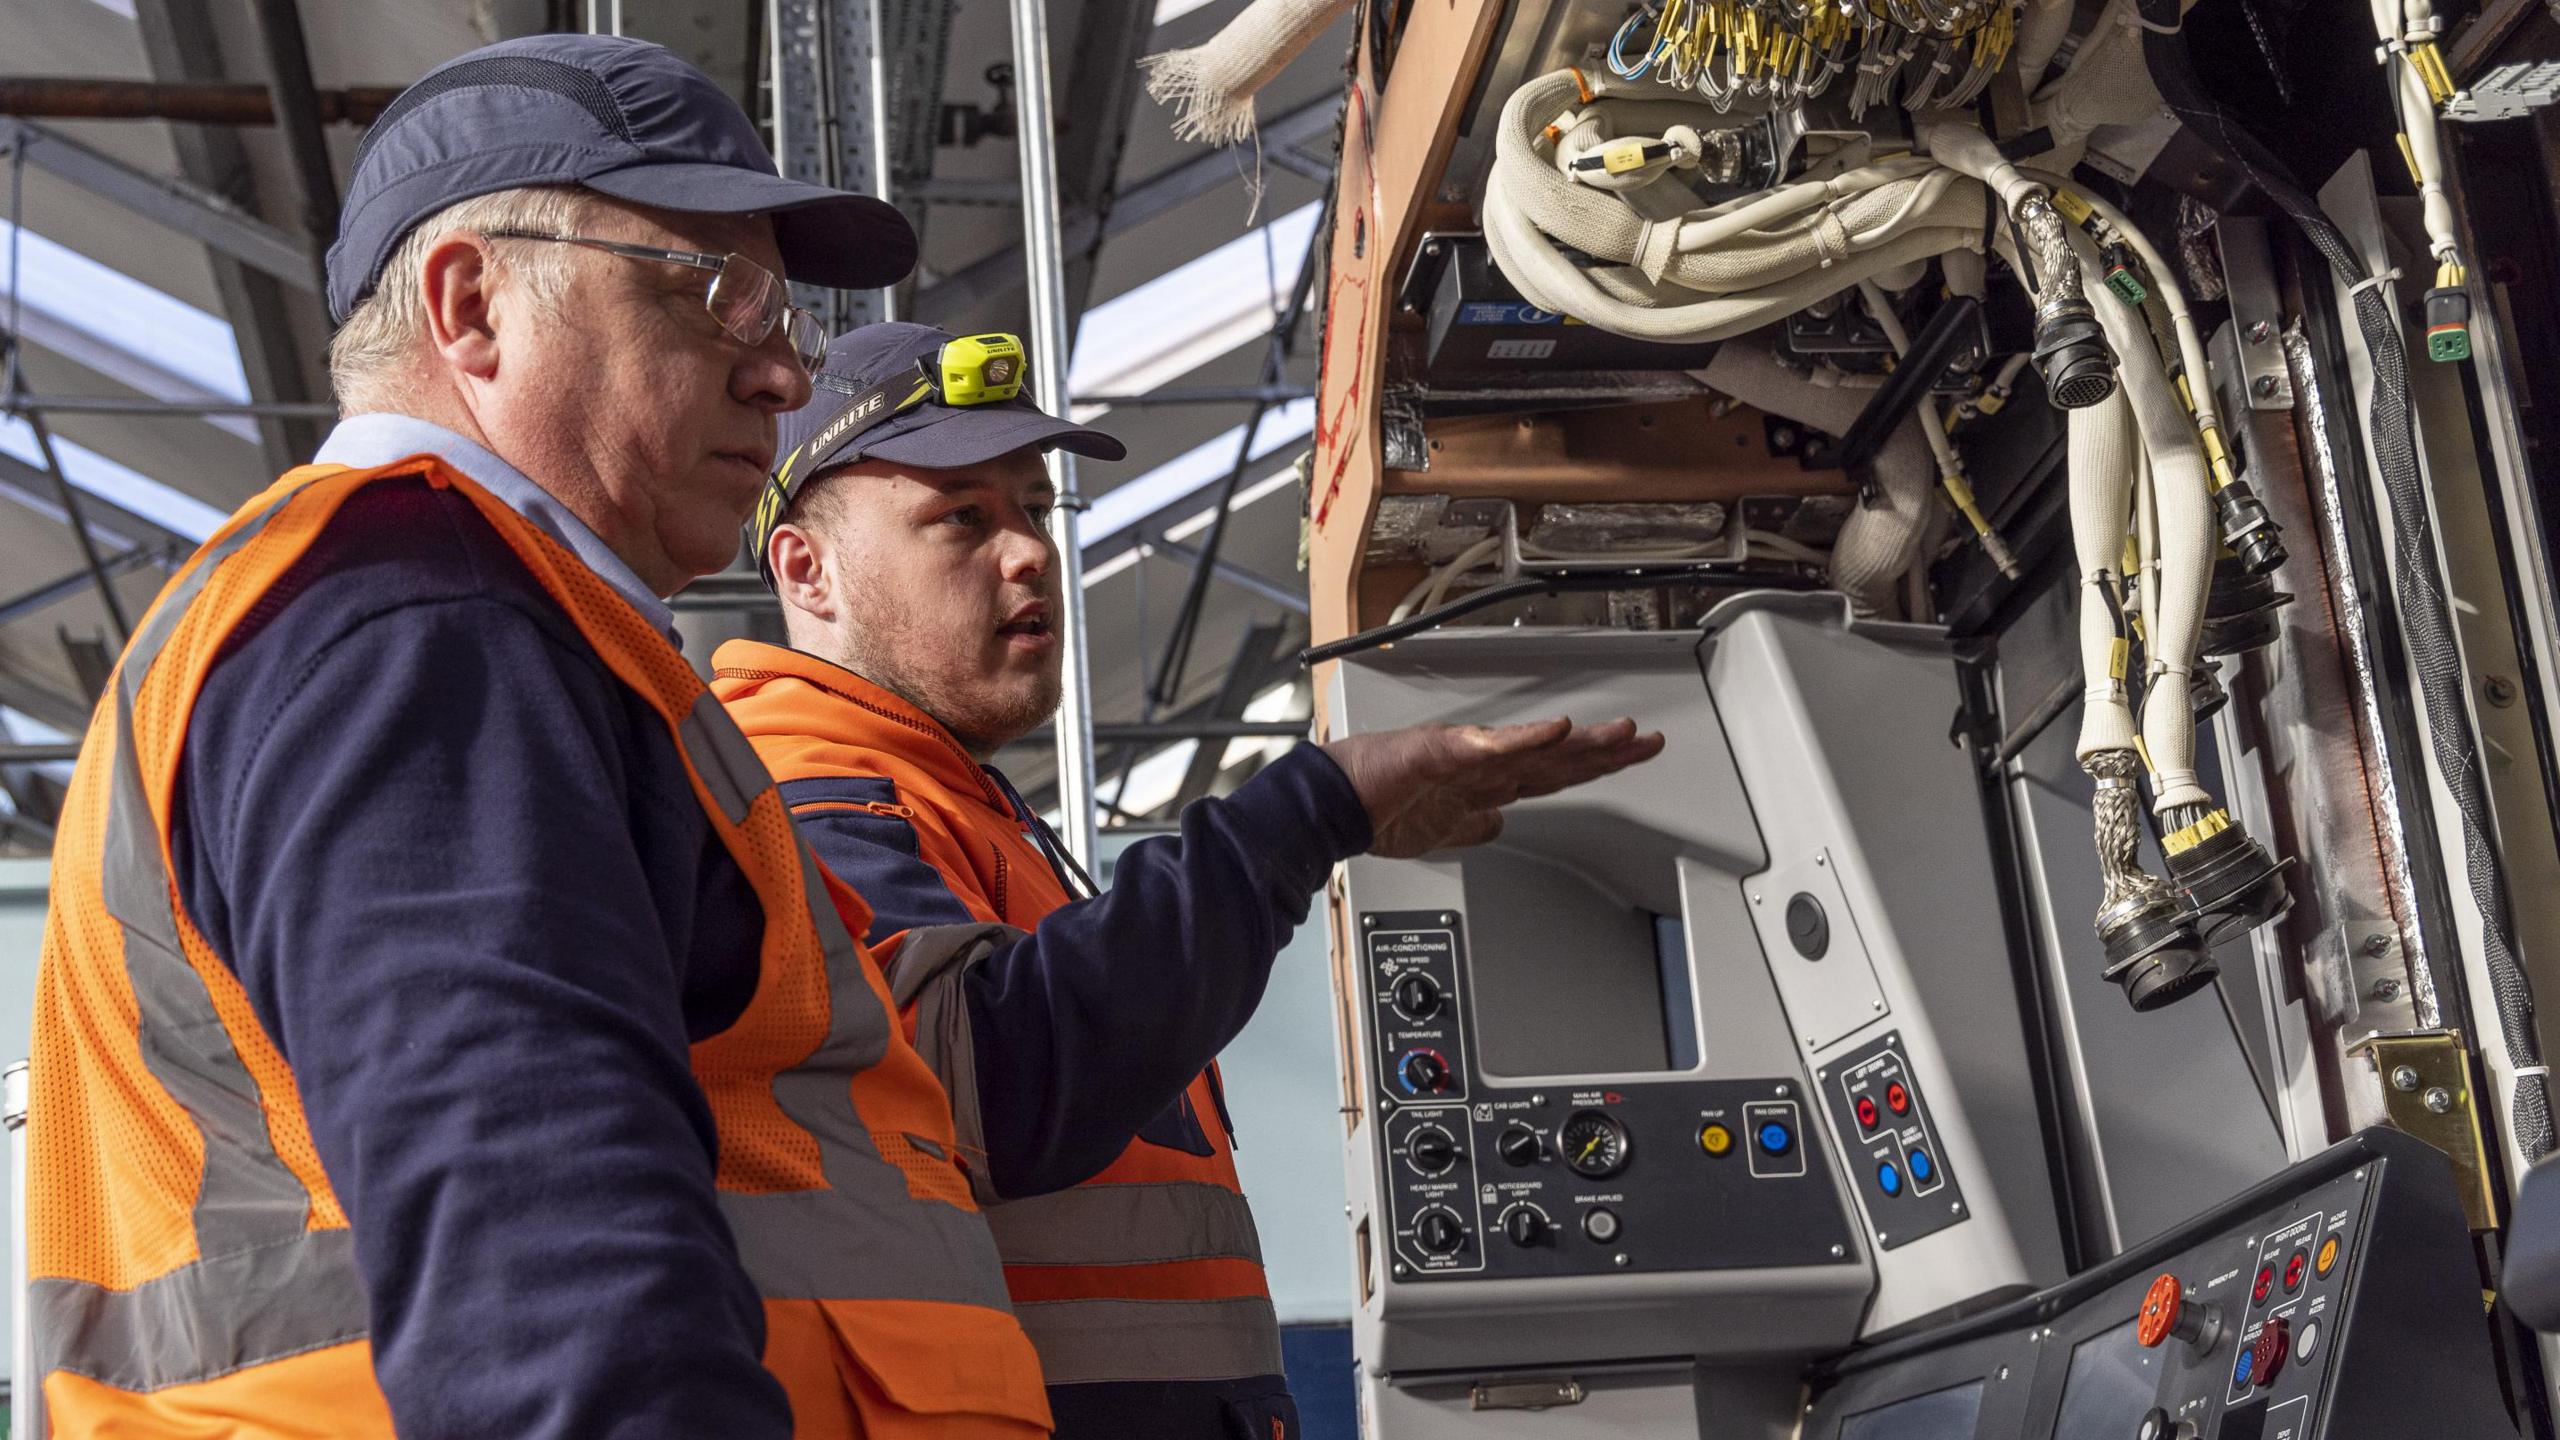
[[1525, 1394], [2257, 314], [2426, 1089]]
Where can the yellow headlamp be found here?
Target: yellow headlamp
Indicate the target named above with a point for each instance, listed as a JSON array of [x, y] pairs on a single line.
[[981, 369]]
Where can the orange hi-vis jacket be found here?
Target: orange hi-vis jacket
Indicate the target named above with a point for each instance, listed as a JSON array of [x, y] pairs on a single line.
[[1148, 1271], [192, 1271]]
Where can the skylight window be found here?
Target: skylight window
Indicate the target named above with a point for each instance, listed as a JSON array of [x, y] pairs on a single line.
[[1192, 314], [124, 329], [94, 474], [1194, 470]]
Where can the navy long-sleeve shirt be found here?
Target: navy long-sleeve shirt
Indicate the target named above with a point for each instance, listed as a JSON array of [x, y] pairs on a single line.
[[460, 872], [1089, 1026]]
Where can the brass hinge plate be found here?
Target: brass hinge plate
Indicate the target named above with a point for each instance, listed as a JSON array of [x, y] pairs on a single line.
[[2425, 1080]]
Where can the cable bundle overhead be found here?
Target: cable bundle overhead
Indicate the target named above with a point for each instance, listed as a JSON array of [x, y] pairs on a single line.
[[1938, 53]]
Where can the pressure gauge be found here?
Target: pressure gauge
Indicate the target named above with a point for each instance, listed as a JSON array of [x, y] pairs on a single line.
[[1594, 1144]]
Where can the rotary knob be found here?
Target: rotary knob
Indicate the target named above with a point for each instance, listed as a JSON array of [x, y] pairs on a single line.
[[1439, 1233], [1423, 1072], [1432, 1150], [1518, 1145], [1526, 1226], [2167, 1312], [2267, 1353], [1416, 996]]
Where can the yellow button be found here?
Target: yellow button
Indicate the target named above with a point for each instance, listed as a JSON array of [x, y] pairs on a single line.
[[2328, 1255], [1715, 1140]]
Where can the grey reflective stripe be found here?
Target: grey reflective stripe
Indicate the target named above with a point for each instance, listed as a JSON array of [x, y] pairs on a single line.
[[932, 960], [204, 1320], [1127, 1225], [1083, 1342], [864, 1236], [267, 1287], [725, 757]]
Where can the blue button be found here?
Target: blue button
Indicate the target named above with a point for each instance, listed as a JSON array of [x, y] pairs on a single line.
[[1775, 1138], [1888, 1179], [2241, 1367], [1922, 1167]]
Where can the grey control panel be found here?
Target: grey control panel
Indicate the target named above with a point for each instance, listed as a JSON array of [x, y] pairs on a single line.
[[1487, 1178]]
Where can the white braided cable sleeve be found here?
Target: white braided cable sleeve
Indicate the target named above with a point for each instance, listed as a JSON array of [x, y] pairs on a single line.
[[2041, 32], [1879, 541], [1547, 278], [1744, 244], [2173, 630], [1211, 85], [2106, 84], [2101, 453]]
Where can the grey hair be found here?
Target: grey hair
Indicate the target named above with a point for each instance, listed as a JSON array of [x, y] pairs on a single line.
[[371, 353]]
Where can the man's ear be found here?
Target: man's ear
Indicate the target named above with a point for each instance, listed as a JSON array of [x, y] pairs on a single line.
[[803, 571], [456, 279]]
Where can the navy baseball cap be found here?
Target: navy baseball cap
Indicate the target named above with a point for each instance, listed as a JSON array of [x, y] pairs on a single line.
[[864, 364], [621, 117]]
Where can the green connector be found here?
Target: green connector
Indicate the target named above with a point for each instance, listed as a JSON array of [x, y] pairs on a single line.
[[2448, 324], [2128, 286]]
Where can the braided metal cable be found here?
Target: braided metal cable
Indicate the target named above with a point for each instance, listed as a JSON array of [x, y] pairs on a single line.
[[2116, 810]]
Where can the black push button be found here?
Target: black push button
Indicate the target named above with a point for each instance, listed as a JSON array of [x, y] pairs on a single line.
[[1808, 929]]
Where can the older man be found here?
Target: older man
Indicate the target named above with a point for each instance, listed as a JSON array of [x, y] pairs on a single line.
[[440, 1027], [907, 536]]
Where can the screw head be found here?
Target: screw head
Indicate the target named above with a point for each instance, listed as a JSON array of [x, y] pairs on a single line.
[[2377, 945], [2260, 331], [2500, 690], [2439, 1099], [2386, 988], [1619, 1259], [2264, 387], [1783, 436], [1837, 1251], [2404, 1078]]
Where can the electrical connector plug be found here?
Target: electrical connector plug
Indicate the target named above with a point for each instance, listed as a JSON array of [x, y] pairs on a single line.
[[2248, 529], [2228, 881], [2122, 278], [2153, 951], [2240, 610], [2071, 355], [2448, 324]]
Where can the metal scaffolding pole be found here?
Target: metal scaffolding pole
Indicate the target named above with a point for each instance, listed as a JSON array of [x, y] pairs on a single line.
[[32, 404], [1044, 247]]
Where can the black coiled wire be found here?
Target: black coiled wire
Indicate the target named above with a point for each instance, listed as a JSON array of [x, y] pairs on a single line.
[[2419, 583]]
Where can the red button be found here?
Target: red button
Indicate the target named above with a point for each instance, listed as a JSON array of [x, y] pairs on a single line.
[[1897, 1098], [2293, 1269], [2266, 1282], [1866, 1113]]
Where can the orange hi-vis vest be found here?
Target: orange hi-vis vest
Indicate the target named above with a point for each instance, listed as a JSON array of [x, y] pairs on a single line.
[[1149, 1271], [192, 1271]]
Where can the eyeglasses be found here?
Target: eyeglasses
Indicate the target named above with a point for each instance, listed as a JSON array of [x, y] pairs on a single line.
[[749, 301]]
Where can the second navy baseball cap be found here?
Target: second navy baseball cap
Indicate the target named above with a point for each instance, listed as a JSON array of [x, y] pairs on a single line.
[[621, 117]]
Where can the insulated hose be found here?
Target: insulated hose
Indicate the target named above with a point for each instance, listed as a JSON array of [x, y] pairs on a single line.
[[2418, 579], [2184, 514], [1881, 539]]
